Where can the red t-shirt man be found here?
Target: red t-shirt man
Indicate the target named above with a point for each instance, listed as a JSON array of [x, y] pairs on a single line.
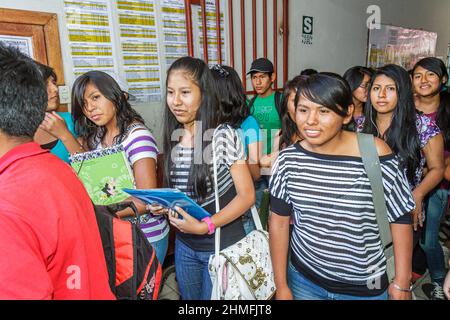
[[50, 246]]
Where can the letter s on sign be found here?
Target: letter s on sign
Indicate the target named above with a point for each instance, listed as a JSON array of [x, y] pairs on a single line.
[[307, 25]]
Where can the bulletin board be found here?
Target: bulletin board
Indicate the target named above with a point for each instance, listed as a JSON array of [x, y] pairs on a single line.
[[401, 46], [137, 40]]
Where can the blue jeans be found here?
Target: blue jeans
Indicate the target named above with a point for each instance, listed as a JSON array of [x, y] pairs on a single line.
[[191, 268], [160, 247], [304, 289], [260, 186], [247, 220], [435, 208]]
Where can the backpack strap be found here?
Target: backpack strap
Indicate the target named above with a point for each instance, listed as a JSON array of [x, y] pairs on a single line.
[[278, 96], [252, 102], [371, 163]]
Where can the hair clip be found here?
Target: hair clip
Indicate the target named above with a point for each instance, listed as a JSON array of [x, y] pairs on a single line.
[[222, 72]]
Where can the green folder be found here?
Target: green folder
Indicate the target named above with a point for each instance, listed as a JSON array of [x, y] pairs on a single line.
[[104, 174]]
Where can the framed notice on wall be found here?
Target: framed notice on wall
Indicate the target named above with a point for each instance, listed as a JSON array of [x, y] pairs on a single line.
[[402, 46], [24, 44]]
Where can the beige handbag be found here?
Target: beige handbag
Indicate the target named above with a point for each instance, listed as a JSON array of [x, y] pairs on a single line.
[[242, 271]]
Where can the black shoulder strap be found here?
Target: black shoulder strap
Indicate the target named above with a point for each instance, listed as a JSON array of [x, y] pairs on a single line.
[[252, 102], [278, 102]]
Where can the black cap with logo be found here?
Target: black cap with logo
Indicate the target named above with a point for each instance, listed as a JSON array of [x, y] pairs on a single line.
[[261, 65]]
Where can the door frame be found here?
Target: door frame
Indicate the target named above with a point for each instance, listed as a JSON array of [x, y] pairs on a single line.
[[49, 22]]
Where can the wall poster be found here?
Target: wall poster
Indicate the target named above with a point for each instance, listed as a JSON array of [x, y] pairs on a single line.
[[398, 45]]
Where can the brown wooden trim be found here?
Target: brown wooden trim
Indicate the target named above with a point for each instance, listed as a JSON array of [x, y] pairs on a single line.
[[285, 40], [49, 23], [265, 28], [189, 33], [275, 40], [54, 57], [25, 17], [205, 31], [243, 57], [39, 43], [254, 34], [218, 32]]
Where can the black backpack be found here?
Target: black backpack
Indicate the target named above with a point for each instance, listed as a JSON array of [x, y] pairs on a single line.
[[133, 269], [277, 102]]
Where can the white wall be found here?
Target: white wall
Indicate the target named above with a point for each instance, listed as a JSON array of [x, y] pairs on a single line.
[[340, 32]]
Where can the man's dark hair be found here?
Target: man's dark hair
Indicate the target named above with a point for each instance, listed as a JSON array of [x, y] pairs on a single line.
[[23, 94]]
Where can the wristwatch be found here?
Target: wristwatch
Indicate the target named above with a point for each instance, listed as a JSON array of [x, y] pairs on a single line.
[[211, 226]]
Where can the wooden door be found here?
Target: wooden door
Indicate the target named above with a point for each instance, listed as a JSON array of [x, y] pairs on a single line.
[[42, 29]]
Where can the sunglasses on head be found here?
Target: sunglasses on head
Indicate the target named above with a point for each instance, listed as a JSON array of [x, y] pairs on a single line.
[[219, 69]]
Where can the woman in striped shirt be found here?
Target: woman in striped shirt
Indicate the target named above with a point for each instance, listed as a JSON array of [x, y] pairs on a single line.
[[103, 118], [191, 117], [336, 251]]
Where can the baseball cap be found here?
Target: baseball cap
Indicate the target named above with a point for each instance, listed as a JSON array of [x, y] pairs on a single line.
[[123, 84], [261, 65]]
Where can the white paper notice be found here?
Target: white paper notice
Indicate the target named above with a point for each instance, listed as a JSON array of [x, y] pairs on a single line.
[[211, 27], [90, 35], [139, 41], [174, 29]]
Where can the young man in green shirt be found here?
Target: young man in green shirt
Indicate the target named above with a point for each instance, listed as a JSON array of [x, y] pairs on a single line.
[[265, 105]]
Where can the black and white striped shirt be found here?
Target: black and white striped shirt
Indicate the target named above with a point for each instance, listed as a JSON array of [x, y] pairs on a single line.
[[228, 150], [335, 241]]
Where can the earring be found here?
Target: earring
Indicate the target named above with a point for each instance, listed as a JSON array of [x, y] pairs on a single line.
[[89, 123]]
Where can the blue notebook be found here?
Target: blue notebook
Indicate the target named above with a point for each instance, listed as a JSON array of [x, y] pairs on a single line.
[[169, 198]]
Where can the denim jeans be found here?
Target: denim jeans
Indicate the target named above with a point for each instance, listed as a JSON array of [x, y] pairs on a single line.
[[304, 289], [435, 208], [247, 220], [191, 268], [160, 247], [260, 186]]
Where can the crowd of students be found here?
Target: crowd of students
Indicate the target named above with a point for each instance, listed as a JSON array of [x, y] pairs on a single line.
[[301, 144]]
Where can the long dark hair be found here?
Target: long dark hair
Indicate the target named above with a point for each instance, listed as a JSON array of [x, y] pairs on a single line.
[[288, 126], [200, 174], [125, 114], [437, 66], [233, 106], [402, 135]]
